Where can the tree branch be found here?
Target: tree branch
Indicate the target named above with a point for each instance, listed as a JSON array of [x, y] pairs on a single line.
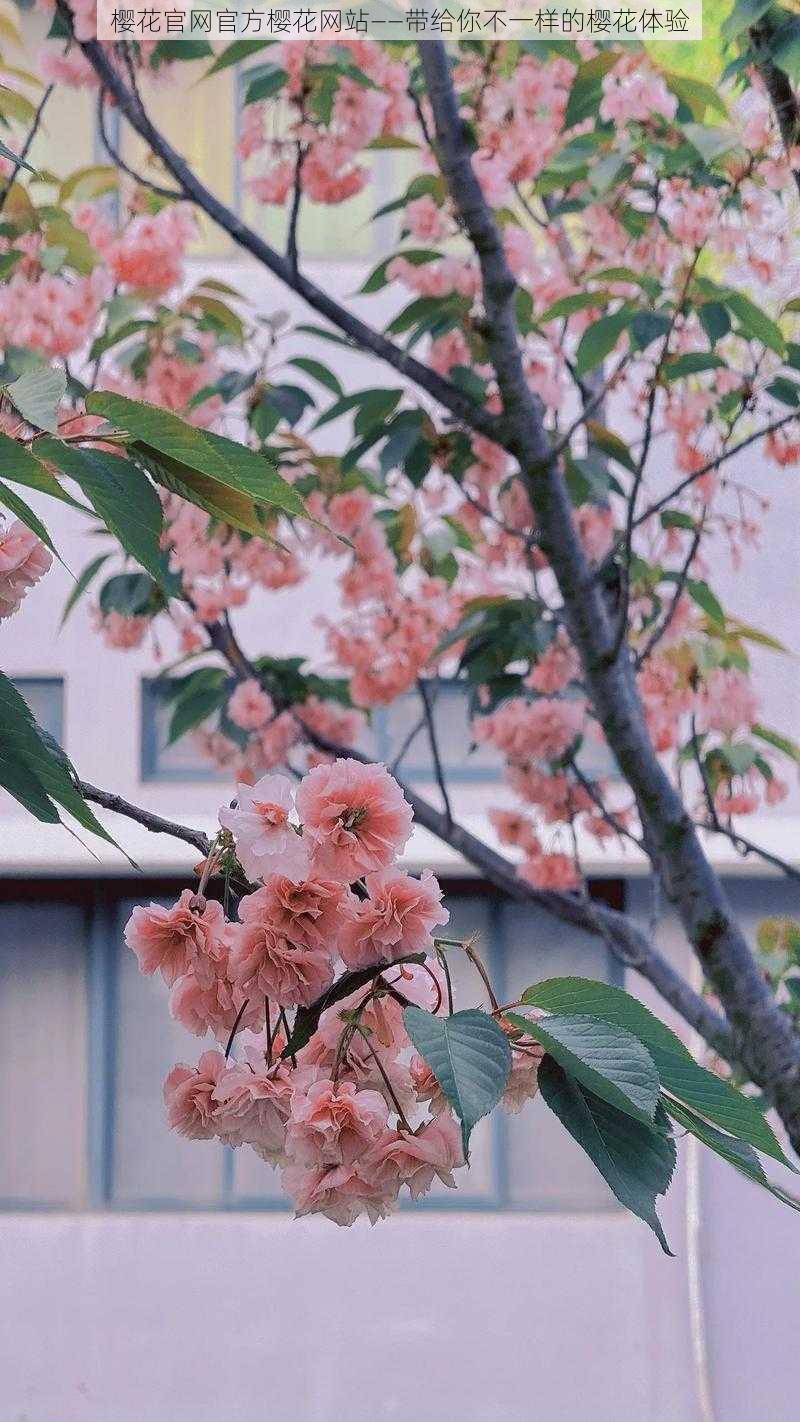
[[156, 824], [778, 86]]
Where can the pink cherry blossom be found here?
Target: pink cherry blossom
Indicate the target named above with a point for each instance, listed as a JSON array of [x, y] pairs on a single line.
[[333, 1124], [397, 917], [249, 706], [416, 1160], [727, 701], [251, 1106], [189, 1096], [266, 843], [273, 965], [355, 817], [174, 940], [307, 911], [24, 559]]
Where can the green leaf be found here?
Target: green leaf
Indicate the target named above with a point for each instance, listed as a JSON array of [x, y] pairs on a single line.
[[15, 159], [679, 1072], [744, 14], [778, 740], [576, 301], [122, 497], [785, 390], [714, 319], [736, 1153], [21, 467], [599, 339], [701, 593], [711, 143], [470, 1057], [604, 1056], [128, 593], [635, 1160], [26, 756], [676, 518], [85, 184], [611, 444], [696, 94], [228, 464], [377, 279], [193, 707], [318, 372], [234, 54], [755, 323], [25, 514], [692, 363], [37, 395], [267, 80], [85, 578]]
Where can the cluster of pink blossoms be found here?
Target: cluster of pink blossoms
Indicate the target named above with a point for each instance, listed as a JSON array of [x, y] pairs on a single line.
[[24, 559], [347, 1111]]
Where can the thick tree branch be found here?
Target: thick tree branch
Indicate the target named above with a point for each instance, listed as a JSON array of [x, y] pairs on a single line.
[[777, 84], [155, 823], [769, 1045]]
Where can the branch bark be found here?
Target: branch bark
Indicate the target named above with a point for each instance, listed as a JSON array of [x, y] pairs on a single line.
[[156, 824]]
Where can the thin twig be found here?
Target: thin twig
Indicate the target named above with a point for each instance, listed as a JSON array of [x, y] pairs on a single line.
[[428, 704], [26, 147]]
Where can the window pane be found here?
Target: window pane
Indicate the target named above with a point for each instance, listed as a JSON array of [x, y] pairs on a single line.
[[454, 738], [45, 697], [150, 1163], [42, 1040], [545, 1168]]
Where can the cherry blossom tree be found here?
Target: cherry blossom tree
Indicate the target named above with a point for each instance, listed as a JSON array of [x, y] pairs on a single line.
[[593, 314]]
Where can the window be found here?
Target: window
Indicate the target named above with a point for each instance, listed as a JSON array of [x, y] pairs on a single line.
[[160, 761], [45, 697], [86, 1041]]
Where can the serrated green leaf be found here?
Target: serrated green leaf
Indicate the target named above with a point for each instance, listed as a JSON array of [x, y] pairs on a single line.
[[470, 1057], [37, 396], [604, 1056], [21, 467], [634, 1159], [679, 1073], [122, 497], [230, 465]]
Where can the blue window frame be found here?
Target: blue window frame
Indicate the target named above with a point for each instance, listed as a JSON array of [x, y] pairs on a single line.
[[105, 1145]]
